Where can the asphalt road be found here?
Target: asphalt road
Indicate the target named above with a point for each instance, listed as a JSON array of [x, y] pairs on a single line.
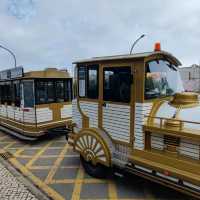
[[55, 169]]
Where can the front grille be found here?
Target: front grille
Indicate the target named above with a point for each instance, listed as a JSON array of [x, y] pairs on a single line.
[[171, 140], [171, 144]]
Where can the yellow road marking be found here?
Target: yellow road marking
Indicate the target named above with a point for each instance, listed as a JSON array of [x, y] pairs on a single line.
[[56, 164], [49, 167], [35, 148], [3, 137], [78, 184], [2, 151], [112, 191], [49, 156], [82, 181], [16, 154], [38, 154], [9, 145], [4, 142], [52, 193]]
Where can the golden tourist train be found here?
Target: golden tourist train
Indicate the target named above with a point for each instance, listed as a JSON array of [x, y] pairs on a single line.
[[131, 112], [128, 112], [34, 103]]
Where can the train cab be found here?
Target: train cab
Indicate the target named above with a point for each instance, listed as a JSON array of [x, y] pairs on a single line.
[[34, 103], [131, 112]]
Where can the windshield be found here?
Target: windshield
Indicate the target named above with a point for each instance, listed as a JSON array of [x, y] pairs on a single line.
[[162, 79]]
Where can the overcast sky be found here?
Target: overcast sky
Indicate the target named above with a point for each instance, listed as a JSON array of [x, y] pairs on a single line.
[[48, 33]]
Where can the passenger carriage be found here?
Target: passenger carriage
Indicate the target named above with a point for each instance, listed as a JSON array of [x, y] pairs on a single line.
[[34, 103], [131, 112]]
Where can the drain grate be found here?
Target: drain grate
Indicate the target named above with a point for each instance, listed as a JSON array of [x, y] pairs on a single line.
[[6, 155]]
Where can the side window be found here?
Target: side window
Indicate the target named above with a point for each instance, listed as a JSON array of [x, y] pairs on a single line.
[[117, 84], [28, 94], [92, 84], [0, 93], [82, 81], [88, 81], [41, 92], [59, 91], [68, 89], [9, 93], [52, 91], [50, 88], [16, 93], [6, 93]]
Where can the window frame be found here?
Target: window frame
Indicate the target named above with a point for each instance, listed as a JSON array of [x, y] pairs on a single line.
[[33, 93], [16, 99], [87, 68], [145, 75], [55, 99], [96, 68], [117, 68], [37, 95], [6, 95], [62, 99], [68, 94]]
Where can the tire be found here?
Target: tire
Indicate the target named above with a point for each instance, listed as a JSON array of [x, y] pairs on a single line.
[[96, 171]]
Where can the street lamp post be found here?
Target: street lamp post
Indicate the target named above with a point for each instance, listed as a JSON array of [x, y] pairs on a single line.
[[136, 41], [13, 55]]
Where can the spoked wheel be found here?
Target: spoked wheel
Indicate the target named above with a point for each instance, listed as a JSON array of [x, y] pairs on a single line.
[[97, 171], [95, 154]]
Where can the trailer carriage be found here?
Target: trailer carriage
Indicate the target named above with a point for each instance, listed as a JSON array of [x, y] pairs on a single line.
[[131, 112], [35, 103]]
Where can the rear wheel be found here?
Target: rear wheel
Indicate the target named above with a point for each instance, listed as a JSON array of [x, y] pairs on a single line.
[[97, 171]]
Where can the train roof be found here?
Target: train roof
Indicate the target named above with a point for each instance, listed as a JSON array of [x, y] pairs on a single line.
[[135, 56], [18, 74], [47, 73]]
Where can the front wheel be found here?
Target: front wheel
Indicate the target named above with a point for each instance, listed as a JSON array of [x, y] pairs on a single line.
[[97, 171]]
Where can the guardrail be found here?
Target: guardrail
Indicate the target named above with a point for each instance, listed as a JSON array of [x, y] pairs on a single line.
[[172, 121]]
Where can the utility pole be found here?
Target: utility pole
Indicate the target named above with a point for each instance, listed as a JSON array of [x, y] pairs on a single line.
[[13, 55], [136, 41]]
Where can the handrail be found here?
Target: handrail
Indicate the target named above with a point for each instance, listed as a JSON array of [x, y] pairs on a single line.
[[164, 118], [180, 122]]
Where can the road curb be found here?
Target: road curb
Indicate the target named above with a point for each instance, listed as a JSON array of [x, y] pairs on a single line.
[[37, 192]]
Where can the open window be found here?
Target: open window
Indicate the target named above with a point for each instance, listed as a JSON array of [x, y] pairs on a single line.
[[117, 84], [88, 81]]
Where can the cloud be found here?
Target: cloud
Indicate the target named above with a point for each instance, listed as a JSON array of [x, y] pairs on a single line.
[[21, 9], [55, 33]]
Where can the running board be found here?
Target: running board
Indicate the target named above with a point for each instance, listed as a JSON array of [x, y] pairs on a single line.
[[18, 135], [166, 182]]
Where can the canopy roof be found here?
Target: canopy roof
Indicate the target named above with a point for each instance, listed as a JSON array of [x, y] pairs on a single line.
[[48, 73], [129, 57]]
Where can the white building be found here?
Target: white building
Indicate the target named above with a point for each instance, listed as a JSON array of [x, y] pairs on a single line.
[[191, 78]]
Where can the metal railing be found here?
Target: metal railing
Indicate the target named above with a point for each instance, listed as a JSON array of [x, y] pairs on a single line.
[[163, 120]]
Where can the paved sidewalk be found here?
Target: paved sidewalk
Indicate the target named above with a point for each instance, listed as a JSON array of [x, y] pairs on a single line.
[[11, 188]]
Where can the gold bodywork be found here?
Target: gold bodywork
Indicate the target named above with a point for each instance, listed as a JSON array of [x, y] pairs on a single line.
[[90, 144], [167, 161], [36, 128]]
